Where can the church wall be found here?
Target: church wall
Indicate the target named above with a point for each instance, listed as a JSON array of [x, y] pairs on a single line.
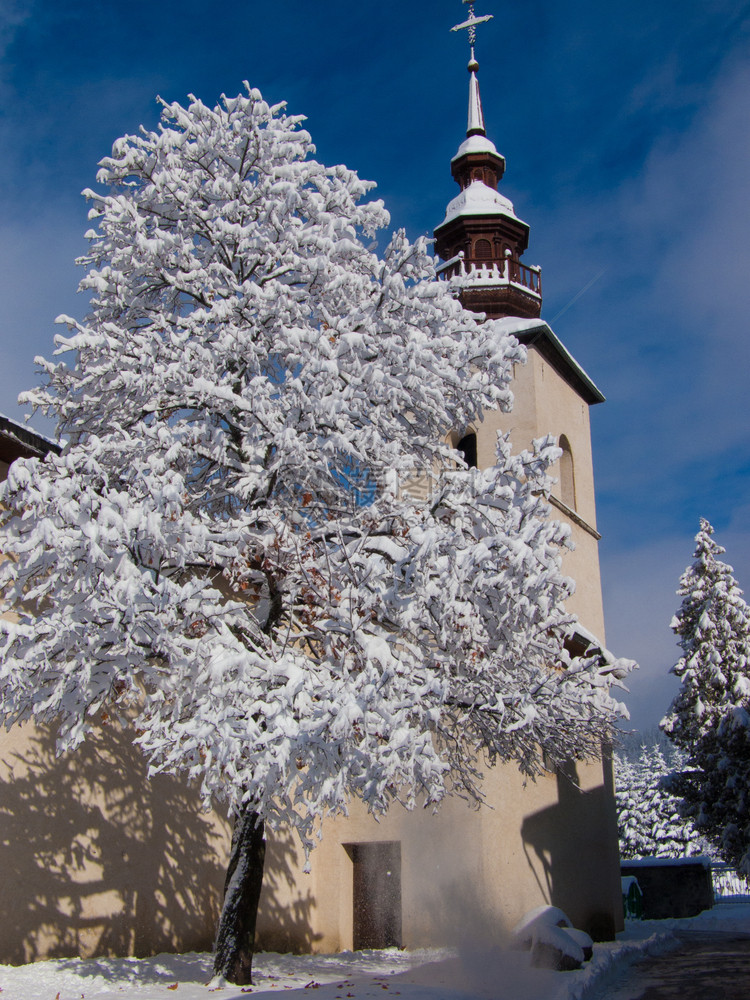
[[468, 874], [560, 408], [580, 821], [98, 859], [544, 403]]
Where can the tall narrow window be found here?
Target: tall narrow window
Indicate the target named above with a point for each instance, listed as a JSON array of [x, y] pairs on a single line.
[[483, 250], [468, 448], [567, 474]]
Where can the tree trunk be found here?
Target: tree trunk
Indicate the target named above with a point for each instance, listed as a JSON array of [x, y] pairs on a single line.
[[235, 938]]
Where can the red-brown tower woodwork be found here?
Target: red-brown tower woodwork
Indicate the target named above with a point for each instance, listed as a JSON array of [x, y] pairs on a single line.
[[481, 240]]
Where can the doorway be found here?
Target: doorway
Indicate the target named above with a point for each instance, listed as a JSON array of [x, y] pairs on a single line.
[[377, 893]]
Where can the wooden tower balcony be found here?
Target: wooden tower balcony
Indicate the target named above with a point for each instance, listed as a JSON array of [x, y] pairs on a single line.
[[507, 288]]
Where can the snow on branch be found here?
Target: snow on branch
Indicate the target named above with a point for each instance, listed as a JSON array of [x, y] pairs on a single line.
[[224, 556]]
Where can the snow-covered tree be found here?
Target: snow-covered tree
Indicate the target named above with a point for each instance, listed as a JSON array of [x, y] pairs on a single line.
[[648, 812], [710, 716], [227, 557]]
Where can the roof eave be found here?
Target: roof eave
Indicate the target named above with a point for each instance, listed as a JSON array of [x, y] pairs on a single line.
[[18, 441], [554, 351]]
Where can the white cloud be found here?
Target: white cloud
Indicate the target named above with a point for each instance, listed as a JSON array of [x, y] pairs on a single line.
[[639, 601]]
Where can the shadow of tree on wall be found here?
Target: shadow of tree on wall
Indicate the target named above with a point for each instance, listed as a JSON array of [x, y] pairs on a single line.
[[566, 839], [97, 859], [286, 903]]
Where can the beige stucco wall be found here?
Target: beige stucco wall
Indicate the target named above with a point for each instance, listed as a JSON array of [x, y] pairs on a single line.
[[544, 403], [97, 859], [468, 874]]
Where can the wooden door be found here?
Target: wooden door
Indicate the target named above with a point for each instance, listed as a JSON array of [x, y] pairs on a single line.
[[377, 894]]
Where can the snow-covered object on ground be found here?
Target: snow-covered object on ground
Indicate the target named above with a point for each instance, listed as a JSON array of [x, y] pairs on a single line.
[[582, 939], [545, 915], [710, 716], [547, 932], [553, 948], [649, 816]]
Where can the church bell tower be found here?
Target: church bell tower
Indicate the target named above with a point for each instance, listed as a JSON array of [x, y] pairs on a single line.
[[481, 240]]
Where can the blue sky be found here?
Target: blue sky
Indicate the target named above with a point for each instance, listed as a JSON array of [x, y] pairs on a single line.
[[626, 130]]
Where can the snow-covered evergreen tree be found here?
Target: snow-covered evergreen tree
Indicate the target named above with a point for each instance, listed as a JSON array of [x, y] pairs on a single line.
[[226, 557], [648, 813], [709, 718]]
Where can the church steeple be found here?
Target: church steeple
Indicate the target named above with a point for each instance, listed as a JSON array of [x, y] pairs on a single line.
[[477, 158], [481, 239]]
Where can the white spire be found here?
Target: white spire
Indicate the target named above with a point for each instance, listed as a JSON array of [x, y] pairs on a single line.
[[475, 124]]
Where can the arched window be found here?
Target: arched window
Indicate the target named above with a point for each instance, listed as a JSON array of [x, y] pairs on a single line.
[[483, 250], [468, 448], [567, 474]]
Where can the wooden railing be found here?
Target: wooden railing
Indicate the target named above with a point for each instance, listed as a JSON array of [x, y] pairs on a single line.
[[529, 277], [509, 272]]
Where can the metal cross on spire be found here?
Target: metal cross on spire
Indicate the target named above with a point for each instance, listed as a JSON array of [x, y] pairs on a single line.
[[476, 117], [471, 24]]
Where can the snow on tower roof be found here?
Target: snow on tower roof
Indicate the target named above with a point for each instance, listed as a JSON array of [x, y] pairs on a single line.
[[476, 144], [478, 199]]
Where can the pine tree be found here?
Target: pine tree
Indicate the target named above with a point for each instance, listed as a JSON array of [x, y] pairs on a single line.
[[709, 717], [649, 815], [227, 557]]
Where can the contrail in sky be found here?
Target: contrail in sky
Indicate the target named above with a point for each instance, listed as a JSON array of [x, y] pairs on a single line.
[[577, 296]]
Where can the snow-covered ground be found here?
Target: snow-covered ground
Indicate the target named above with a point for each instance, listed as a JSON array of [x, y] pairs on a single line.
[[367, 975]]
